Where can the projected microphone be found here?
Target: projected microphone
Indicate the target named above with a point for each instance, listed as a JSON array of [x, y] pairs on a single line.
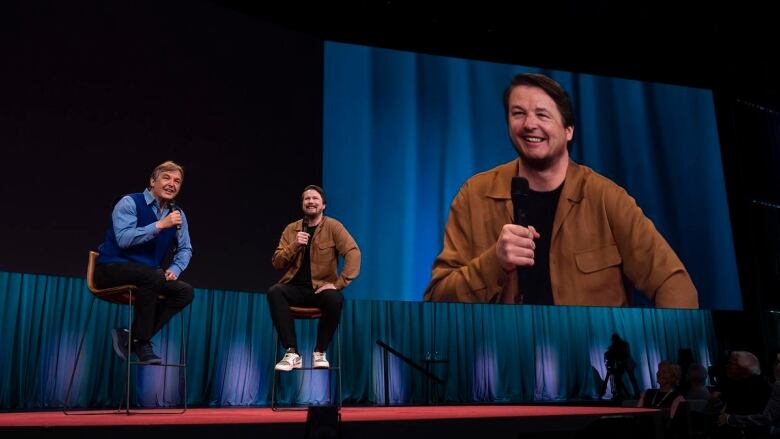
[[520, 200], [520, 205], [174, 207]]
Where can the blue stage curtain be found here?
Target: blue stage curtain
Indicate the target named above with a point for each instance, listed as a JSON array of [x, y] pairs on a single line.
[[403, 131], [494, 353]]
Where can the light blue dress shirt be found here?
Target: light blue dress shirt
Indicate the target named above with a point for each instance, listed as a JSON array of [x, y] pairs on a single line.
[[128, 234]]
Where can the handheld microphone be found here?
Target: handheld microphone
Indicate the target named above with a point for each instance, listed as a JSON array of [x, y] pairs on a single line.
[[520, 204], [520, 200], [173, 207], [303, 229]]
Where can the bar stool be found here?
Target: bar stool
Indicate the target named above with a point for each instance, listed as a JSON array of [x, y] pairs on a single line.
[[122, 295], [302, 313]]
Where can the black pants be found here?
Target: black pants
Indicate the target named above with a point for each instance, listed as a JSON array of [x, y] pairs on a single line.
[[619, 389], [282, 296], [151, 312]]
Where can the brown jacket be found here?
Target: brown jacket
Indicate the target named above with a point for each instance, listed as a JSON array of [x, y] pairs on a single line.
[[330, 240], [599, 234]]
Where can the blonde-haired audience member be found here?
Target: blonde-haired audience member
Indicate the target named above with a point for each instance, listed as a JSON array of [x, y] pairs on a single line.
[[667, 395]]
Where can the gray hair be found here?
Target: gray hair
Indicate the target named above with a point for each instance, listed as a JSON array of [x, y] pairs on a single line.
[[747, 361]]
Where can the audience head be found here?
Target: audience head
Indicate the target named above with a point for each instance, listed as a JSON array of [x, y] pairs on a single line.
[[668, 373], [697, 375], [742, 364]]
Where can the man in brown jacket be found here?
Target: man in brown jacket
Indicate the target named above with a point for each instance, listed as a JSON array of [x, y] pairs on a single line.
[[308, 254], [585, 232]]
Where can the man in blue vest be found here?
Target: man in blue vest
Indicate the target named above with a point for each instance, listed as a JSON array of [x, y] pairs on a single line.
[[144, 228]]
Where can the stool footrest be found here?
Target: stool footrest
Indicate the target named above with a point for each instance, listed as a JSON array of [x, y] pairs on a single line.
[[138, 363], [306, 368]]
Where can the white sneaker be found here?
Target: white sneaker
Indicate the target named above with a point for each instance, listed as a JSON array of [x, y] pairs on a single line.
[[318, 360], [290, 361]]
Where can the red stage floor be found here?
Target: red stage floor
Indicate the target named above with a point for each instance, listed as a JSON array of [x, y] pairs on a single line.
[[201, 416]]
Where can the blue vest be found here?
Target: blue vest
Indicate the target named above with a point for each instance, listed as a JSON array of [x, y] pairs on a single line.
[[150, 253]]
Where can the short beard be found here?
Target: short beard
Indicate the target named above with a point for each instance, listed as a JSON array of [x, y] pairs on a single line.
[[312, 215], [538, 165]]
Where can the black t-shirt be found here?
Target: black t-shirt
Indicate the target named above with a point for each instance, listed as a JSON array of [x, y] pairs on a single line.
[[303, 276], [535, 286]]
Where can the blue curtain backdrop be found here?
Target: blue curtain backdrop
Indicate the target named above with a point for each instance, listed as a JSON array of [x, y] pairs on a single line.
[[494, 353], [403, 132]]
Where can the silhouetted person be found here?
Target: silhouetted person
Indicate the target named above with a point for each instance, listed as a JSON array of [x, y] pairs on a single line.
[[696, 378], [717, 371], [684, 359], [618, 361], [759, 422], [699, 408], [745, 393]]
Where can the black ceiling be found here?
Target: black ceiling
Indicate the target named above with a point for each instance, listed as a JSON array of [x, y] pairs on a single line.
[[728, 46]]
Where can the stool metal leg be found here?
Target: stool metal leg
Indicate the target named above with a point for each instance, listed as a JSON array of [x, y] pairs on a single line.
[[78, 356], [183, 354], [338, 337], [182, 364], [276, 374], [129, 343]]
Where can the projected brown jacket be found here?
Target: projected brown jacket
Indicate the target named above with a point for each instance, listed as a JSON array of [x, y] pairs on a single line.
[[599, 234], [330, 240]]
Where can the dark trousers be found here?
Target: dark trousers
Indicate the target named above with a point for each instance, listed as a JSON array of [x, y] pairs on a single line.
[[282, 296], [151, 311], [619, 389]]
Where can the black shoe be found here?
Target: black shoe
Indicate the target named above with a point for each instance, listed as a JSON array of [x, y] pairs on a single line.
[[144, 353], [121, 338]]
